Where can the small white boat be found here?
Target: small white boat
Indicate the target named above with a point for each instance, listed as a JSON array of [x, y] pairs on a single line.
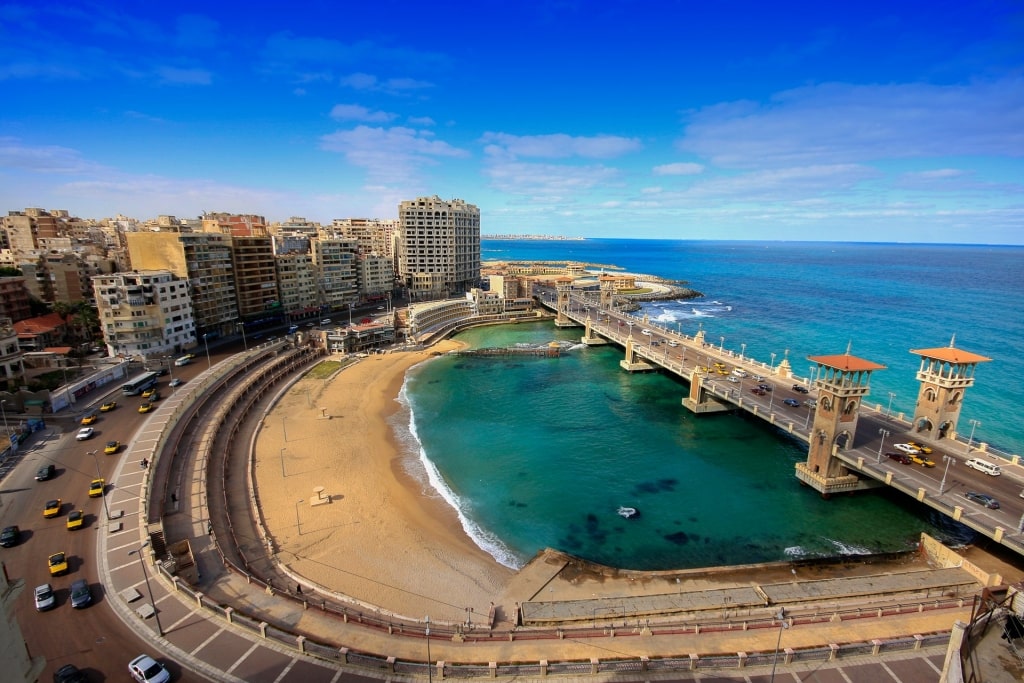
[[627, 512]]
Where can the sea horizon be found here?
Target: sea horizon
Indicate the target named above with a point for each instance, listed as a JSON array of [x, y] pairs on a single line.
[[558, 485]]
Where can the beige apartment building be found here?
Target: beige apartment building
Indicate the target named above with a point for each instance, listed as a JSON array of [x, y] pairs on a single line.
[[439, 247], [297, 285], [337, 267]]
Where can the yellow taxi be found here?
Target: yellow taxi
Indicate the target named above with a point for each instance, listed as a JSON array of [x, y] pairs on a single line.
[[108, 406], [52, 508], [146, 407], [58, 563], [90, 419], [75, 519], [920, 446], [96, 488], [148, 392], [112, 447], [920, 459]]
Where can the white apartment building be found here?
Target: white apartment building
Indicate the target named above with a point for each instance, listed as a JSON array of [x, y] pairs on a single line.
[[439, 247], [376, 277], [146, 313]]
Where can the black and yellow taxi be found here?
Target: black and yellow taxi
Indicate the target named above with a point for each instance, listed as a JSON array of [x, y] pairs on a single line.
[[90, 419], [76, 518], [96, 488], [52, 508], [112, 447], [108, 406], [146, 407], [58, 563], [149, 392], [920, 446]]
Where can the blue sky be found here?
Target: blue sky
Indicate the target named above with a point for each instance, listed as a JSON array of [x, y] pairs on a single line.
[[692, 120]]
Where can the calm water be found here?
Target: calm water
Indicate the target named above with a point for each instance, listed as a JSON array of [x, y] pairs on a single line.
[[536, 453]]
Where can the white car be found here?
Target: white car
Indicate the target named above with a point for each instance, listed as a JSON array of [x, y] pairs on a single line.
[[85, 433], [646, 331], [145, 669], [673, 343], [175, 383], [45, 599], [906, 448], [739, 373], [734, 380]]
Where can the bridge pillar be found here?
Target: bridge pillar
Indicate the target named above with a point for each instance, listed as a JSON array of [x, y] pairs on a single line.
[[945, 375], [842, 382], [700, 399], [607, 283], [632, 362], [590, 338]]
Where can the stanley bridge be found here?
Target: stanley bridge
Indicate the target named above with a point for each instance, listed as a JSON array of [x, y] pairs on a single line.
[[846, 438]]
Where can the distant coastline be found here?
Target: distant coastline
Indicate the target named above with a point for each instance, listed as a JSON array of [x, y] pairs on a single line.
[[552, 238]]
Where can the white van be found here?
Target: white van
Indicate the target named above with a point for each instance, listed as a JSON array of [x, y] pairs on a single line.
[[983, 466], [184, 360]]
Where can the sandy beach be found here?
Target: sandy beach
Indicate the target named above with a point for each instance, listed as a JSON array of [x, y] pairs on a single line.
[[384, 538]]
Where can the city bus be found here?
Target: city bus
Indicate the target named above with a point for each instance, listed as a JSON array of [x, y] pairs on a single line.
[[139, 384]]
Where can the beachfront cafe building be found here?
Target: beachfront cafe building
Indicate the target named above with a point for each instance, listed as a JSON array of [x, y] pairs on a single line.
[[361, 338]]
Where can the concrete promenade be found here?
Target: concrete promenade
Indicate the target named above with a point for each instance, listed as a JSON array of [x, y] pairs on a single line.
[[204, 642]]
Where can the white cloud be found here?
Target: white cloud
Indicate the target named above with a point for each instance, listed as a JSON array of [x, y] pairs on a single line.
[[16, 155], [558, 146], [551, 181], [390, 155], [421, 121], [175, 76], [680, 168], [842, 123], [357, 112]]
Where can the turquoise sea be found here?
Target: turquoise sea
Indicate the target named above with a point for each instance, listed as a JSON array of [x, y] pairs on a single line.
[[538, 453]]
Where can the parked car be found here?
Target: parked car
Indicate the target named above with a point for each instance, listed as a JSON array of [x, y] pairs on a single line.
[[906, 448], [44, 597], [901, 458], [85, 433], [69, 673], [145, 669], [792, 402], [982, 499], [46, 472], [81, 596], [106, 408], [10, 536]]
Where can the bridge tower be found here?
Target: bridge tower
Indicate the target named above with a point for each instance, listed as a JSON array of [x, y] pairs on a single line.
[[564, 287], [607, 283], [945, 374], [842, 383]]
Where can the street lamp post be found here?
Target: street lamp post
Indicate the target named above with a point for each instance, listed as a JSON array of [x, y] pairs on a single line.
[[743, 350], [7, 431], [721, 344], [206, 343], [949, 461], [99, 475], [974, 425], [283, 475], [771, 366], [881, 444], [145, 575], [430, 673], [888, 411], [245, 344], [783, 625], [298, 522]]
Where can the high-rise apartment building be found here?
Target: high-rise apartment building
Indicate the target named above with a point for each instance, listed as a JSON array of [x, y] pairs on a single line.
[[373, 236], [439, 247], [297, 284], [204, 259], [145, 313], [336, 267], [236, 225], [256, 281]]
